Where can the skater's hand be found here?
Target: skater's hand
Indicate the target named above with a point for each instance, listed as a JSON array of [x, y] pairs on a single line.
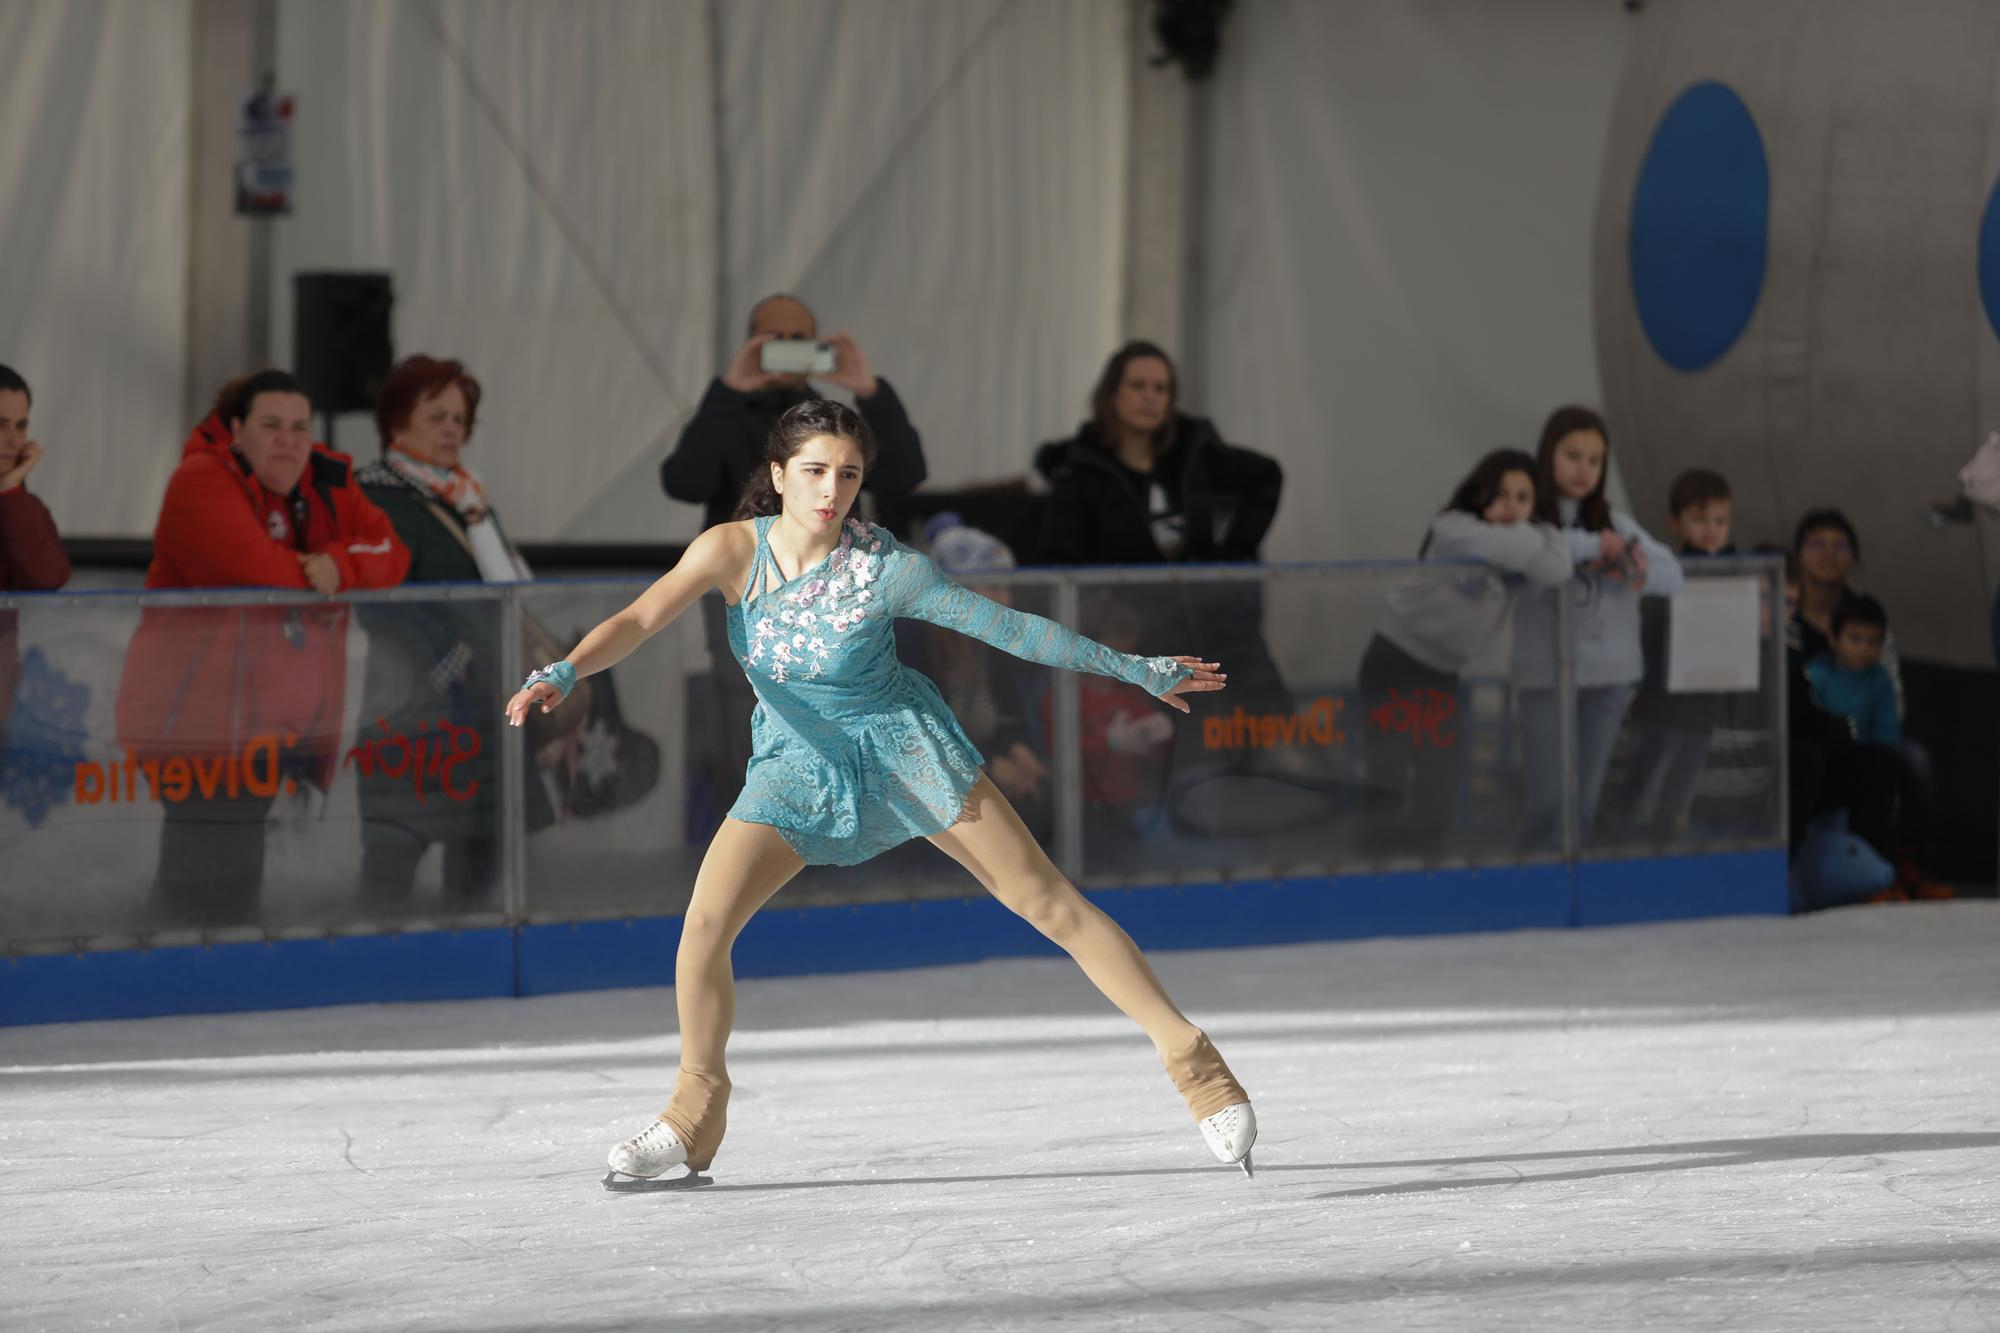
[[1204, 679], [541, 692]]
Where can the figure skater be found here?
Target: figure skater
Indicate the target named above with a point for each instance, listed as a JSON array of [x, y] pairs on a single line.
[[854, 753]]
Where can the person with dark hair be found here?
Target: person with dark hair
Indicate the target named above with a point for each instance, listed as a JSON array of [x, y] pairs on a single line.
[[1437, 622], [32, 558], [721, 449], [1829, 550], [856, 754], [1616, 563], [1675, 731], [435, 661], [1850, 682], [31, 554], [254, 504], [1142, 482]]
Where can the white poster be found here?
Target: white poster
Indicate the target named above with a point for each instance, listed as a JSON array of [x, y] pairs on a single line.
[[1713, 636]]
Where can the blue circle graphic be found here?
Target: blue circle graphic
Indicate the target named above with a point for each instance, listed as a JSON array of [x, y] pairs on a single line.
[[1701, 213], [1989, 259]]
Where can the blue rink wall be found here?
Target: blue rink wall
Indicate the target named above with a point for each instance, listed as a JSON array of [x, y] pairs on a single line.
[[547, 959]]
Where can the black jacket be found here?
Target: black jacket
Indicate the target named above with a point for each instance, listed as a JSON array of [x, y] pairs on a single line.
[[1096, 516], [723, 444]]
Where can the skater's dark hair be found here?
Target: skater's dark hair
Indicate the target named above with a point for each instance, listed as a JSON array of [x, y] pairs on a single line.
[[1483, 483], [10, 379], [808, 420], [1859, 609], [1105, 394], [1593, 511]]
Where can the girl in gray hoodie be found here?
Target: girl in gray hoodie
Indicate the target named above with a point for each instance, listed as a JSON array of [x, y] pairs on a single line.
[[1616, 563], [1438, 620]]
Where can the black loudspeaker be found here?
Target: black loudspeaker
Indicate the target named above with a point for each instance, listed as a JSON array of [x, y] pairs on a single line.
[[340, 338]]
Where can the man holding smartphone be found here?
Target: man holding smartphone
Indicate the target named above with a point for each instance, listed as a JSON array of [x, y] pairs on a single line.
[[723, 444]]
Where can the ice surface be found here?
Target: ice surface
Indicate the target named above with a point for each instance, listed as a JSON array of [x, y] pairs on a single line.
[[1750, 1124]]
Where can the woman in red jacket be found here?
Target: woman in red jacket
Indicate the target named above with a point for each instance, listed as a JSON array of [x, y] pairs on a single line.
[[221, 707]]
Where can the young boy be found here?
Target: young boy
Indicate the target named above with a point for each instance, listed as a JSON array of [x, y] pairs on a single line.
[[1851, 682], [1675, 730]]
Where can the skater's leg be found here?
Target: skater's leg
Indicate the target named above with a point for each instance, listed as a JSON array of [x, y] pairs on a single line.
[[744, 866], [991, 841]]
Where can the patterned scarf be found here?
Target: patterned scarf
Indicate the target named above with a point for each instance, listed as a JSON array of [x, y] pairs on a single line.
[[455, 486]]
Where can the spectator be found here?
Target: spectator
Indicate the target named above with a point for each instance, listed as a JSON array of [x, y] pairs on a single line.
[[1616, 563], [1141, 482], [1851, 682], [1436, 624], [1829, 551], [430, 661], [989, 692], [1675, 731], [722, 447], [31, 554], [227, 704]]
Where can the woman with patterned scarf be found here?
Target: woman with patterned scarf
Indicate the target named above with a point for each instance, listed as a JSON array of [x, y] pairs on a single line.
[[431, 666]]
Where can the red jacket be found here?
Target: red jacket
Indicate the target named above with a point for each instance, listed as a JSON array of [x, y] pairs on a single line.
[[31, 560], [206, 681]]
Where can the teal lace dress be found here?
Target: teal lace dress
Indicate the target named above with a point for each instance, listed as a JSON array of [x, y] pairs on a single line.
[[851, 751]]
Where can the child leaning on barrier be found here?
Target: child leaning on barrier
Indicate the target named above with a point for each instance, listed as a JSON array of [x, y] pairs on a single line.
[[1436, 624], [1676, 730], [1617, 563]]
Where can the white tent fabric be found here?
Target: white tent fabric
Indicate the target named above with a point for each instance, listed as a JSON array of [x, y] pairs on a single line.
[[542, 181], [94, 247], [1399, 223], [538, 181], [947, 182]]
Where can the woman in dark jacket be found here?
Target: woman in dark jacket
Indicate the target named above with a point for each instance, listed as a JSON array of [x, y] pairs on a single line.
[[1141, 482]]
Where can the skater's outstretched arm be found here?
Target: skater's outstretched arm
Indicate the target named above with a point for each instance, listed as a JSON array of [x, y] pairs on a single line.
[[914, 587], [713, 560]]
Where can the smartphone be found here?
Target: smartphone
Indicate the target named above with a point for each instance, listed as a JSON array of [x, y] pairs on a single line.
[[796, 356]]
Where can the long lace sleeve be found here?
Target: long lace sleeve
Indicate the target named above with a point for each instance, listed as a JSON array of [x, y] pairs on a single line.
[[915, 588]]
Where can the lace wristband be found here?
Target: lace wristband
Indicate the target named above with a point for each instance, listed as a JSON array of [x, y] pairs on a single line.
[[559, 674]]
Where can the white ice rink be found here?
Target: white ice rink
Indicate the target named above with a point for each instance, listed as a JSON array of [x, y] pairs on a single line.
[[1753, 1124]]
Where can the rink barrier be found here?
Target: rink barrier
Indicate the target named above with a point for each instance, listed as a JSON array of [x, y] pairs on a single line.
[[1207, 889], [602, 955]]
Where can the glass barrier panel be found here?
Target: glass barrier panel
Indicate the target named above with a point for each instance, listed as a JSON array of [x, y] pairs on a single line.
[[259, 764], [1371, 722], [626, 782], [1698, 762]]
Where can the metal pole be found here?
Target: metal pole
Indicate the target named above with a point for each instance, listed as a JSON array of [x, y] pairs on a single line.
[[513, 771], [1068, 742], [1566, 708]]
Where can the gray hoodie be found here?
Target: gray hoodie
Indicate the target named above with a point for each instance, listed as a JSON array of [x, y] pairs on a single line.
[[1446, 617], [1606, 612]]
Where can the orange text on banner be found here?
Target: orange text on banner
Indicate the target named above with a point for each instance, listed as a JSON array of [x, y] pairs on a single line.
[[1318, 724]]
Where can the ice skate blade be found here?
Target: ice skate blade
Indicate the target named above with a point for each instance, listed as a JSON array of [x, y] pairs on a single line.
[[620, 1184], [1245, 1164]]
